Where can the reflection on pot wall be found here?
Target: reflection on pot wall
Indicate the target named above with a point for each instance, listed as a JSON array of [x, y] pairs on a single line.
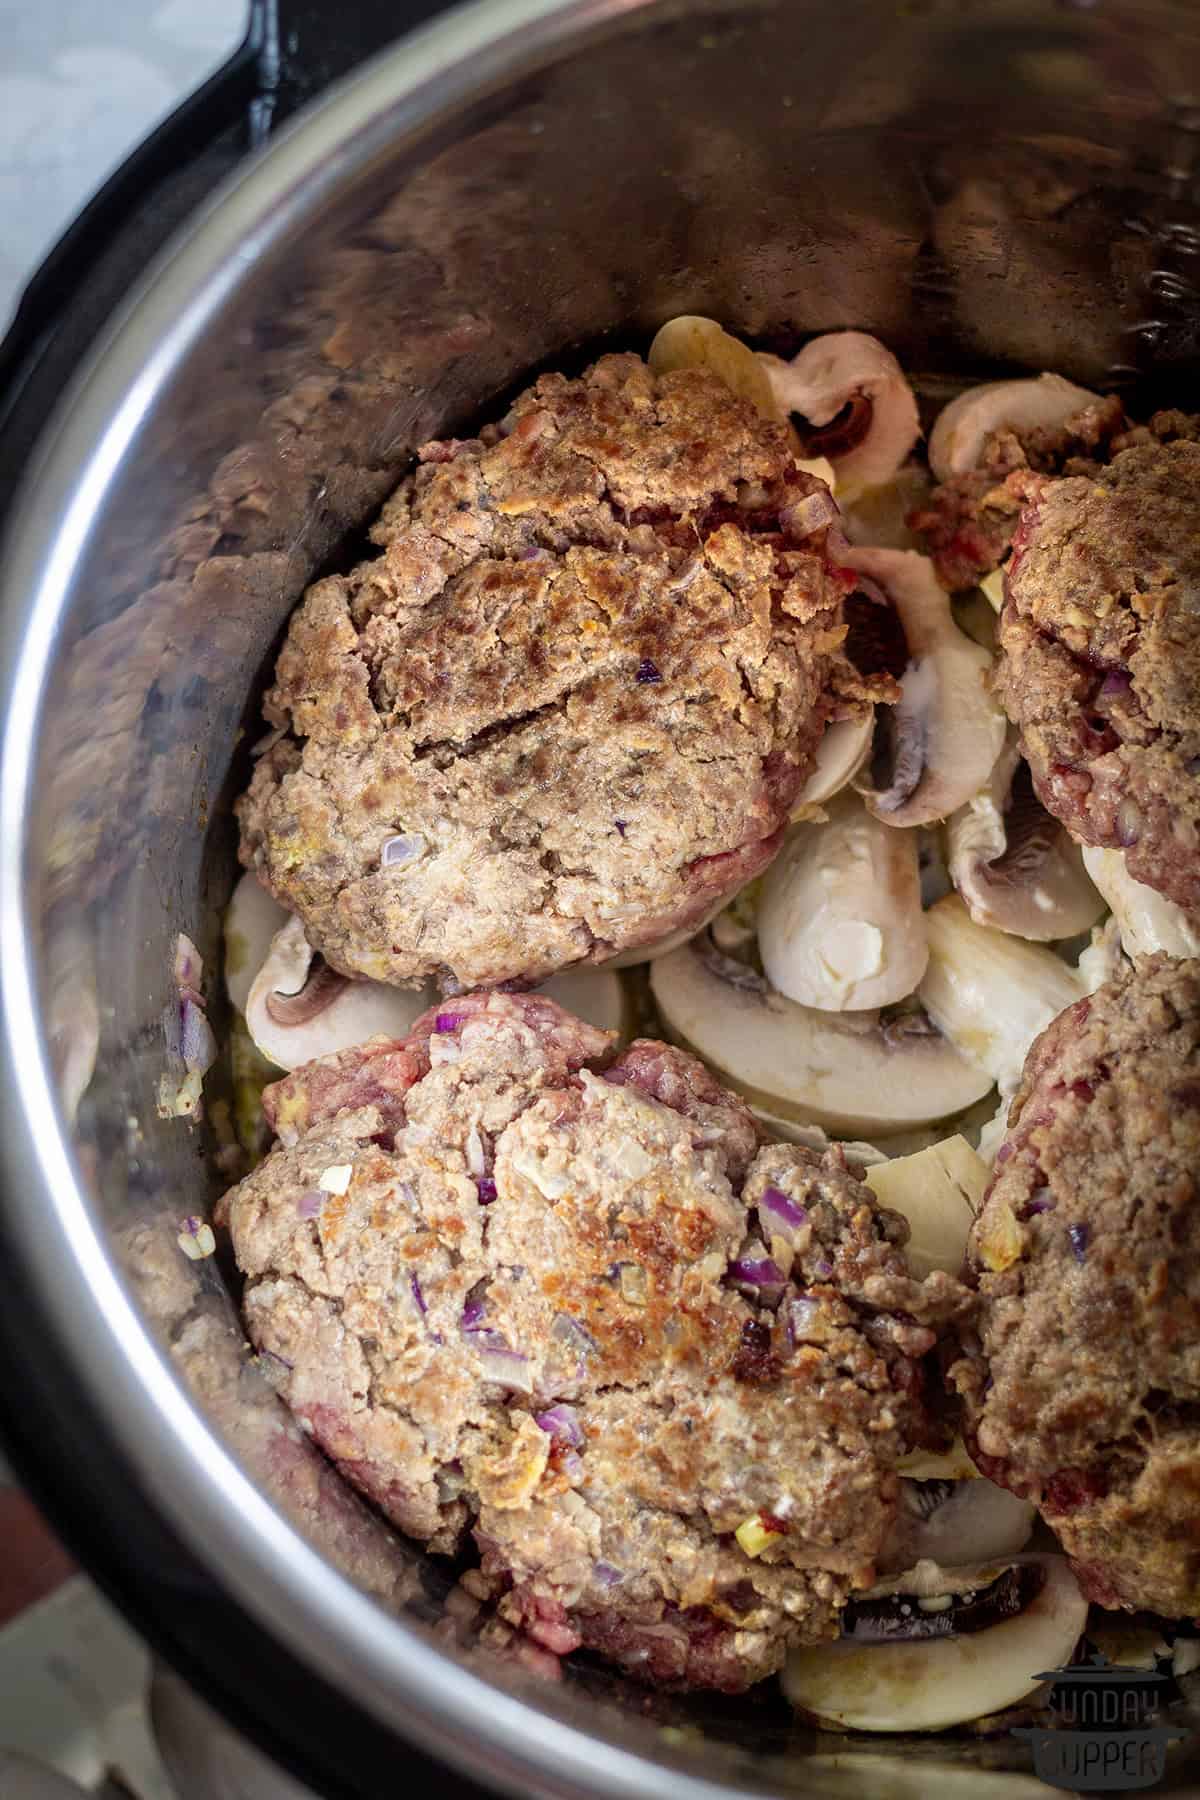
[[979, 182]]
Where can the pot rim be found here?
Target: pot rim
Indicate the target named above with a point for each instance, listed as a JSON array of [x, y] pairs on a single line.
[[293, 1593]]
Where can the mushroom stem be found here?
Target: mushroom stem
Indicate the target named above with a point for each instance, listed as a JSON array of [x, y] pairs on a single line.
[[1017, 868], [946, 727], [840, 925]]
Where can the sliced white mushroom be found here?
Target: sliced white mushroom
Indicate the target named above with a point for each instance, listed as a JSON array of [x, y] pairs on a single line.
[[296, 1012], [991, 994], [690, 342], [939, 1191], [1015, 866], [854, 406], [843, 749], [846, 1072], [594, 995], [956, 441], [840, 925], [946, 730], [931, 1682], [251, 920], [955, 1522], [1148, 921]]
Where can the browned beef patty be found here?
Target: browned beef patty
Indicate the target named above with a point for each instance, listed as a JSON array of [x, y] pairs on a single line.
[[583, 681], [1100, 658], [1083, 1384], [504, 1285]]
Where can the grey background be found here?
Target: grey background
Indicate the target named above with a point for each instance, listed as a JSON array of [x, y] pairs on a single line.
[[80, 82]]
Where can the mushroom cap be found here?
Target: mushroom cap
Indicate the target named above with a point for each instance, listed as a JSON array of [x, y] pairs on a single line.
[[831, 374], [844, 747], [948, 728], [930, 1684], [957, 439], [840, 925], [1015, 866], [844, 1071], [296, 1014], [251, 920], [956, 1522], [989, 993]]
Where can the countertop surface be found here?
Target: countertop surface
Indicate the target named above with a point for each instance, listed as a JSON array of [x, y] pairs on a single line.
[[81, 81]]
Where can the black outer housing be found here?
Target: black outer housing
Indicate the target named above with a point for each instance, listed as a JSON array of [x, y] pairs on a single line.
[[292, 50]]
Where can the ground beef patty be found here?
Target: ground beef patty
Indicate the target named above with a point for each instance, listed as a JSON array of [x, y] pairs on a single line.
[[494, 1283], [1083, 1384], [1100, 663], [582, 682]]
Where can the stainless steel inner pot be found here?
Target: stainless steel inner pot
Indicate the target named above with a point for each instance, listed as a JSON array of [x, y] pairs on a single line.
[[986, 184]]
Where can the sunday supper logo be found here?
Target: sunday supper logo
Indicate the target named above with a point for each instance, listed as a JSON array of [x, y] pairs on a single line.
[[1105, 1740]]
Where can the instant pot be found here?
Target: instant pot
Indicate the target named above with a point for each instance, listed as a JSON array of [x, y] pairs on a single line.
[[347, 242]]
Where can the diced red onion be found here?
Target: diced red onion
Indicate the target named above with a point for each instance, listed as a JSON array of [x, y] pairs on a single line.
[[607, 1575], [823, 1268], [272, 1356], [1081, 1237], [485, 1187], [1119, 681], [473, 1312], [757, 1271], [406, 847], [561, 1422], [309, 1205], [508, 1368], [571, 1465], [568, 1330], [448, 1021], [648, 673], [417, 1295], [188, 965], [1042, 1201], [779, 1213], [192, 1225], [802, 517], [197, 1044]]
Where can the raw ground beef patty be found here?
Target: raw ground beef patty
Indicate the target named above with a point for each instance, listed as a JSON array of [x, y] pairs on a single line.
[[492, 1277], [1100, 658], [582, 683], [1083, 1384]]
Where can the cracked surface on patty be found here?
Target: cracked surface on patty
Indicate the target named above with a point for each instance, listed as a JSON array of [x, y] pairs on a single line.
[[508, 1315], [1100, 658], [585, 674], [1083, 1382]]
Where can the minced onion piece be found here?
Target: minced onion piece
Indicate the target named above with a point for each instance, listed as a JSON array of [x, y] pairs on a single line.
[[802, 517], [561, 1422], [406, 847], [417, 1295], [485, 1188], [780, 1215], [196, 1240], [448, 1021], [309, 1205], [607, 1574], [507, 1367]]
